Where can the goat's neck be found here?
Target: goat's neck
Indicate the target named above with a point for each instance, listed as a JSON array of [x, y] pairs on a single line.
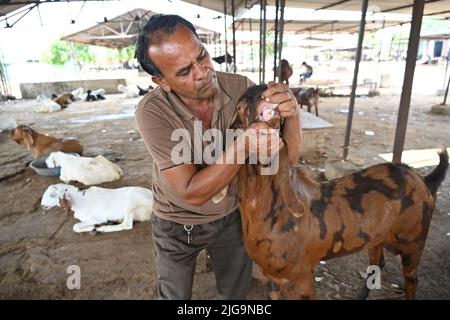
[[75, 197], [253, 186]]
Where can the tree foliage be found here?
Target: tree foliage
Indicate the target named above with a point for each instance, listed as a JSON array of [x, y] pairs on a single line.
[[60, 52]]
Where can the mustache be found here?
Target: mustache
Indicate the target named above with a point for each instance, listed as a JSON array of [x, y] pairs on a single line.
[[203, 83]]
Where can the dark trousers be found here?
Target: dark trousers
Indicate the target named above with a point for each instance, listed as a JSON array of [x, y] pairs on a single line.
[[176, 259]]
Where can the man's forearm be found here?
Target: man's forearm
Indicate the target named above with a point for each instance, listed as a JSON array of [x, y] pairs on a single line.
[[207, 182]]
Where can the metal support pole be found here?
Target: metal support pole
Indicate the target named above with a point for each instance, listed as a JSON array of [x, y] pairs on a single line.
[[446, 66], [275, 42], [262, 41], [378, 80], [226, 45], [260, 45], [234, 38], [280, 31], [446, 92], [362, 26], [405, 99], [251, 45]]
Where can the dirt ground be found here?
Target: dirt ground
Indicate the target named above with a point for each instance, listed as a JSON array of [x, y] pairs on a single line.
[[120, 265]]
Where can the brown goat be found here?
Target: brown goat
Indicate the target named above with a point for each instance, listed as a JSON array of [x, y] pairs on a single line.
[[41, 144], [64, 99], [291, 222], [308, 97]]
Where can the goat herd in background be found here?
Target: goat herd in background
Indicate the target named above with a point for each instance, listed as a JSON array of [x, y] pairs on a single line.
[[58, 102], [94, 206]]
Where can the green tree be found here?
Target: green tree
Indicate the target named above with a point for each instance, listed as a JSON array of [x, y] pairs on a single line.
[[58, 53], [61, 52], [126, 54]]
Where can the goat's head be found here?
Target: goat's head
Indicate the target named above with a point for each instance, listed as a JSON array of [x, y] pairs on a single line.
[[252, 108], [68, 97], [56, 195], [52, 160], [22, 135]]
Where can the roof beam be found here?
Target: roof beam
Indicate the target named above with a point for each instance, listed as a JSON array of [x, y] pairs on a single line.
[[437, 13], [332, 5], [407, 6]]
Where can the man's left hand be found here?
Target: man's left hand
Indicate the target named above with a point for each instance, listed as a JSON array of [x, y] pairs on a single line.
[[279, 93]]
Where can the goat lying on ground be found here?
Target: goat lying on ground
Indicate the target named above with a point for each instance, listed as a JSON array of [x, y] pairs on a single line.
[[95, 206], [291, 222], [88, 171], [308, 97], [129, 92], [63, 100], [45, 104], [41, 144]]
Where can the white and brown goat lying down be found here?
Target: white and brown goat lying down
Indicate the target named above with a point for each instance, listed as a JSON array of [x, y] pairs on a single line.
[[96, 206], [88, 171], [291, 222]]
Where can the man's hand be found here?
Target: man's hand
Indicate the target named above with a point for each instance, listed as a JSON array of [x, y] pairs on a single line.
[[262, 139], [280, 94]]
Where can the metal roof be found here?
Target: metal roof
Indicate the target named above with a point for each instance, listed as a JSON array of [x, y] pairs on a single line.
[[438, 8], [318, 26], [120, 32], [8, 6]]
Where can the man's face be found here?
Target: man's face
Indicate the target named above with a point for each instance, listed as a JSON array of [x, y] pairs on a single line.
[[185, 65]]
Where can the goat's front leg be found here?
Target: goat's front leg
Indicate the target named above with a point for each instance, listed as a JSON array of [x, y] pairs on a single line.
[[274, 291], [127, 224], [84, 226], [301, 288]]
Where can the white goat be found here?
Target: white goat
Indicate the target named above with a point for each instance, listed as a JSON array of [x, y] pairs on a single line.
[[129, 91], [86, 170], [46, 104], [95, 206]]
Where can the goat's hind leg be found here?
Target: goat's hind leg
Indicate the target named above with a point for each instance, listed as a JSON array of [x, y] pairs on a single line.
[[410, 263], [84, 226], [127, 224], [376, 257]]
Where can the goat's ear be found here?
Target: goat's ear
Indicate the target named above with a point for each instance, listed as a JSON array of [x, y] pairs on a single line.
[[64, 202], [243, 114], [27, 135]]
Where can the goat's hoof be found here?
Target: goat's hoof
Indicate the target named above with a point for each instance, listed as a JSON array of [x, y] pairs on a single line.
[[93, 232], [363, 294]]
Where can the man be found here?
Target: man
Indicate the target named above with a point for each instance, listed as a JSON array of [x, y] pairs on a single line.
[[185, 219], [308, 72]]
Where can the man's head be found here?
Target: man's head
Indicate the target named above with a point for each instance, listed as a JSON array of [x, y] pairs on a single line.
[[304, 63], [169, 49]]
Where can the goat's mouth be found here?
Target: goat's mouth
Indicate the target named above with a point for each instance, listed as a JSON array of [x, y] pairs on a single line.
[[269, 114]]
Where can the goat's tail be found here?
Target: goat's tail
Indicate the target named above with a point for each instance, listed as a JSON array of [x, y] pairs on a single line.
[[435, 178]]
